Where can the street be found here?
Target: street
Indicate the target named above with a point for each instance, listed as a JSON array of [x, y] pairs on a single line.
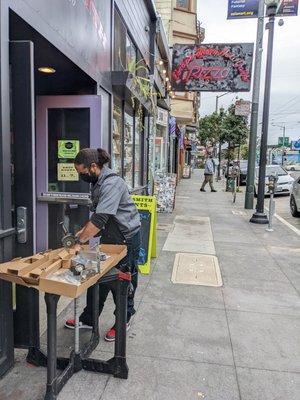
[[282, 207]]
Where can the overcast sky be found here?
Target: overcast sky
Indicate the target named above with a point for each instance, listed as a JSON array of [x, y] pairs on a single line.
[[285, 95]]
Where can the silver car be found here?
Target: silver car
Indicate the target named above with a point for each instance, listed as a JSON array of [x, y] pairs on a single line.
[[295, 199]]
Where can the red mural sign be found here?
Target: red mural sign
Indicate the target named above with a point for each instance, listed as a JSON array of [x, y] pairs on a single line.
[[212, 67]]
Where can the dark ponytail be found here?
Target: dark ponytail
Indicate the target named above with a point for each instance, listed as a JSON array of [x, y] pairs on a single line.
[[90, 156], [103, 157]]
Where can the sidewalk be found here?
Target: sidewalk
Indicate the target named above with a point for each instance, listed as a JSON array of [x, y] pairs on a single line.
[[240, 341]]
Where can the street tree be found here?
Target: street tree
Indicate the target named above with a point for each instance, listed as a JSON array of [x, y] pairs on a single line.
[[234, 129], [210, 128]]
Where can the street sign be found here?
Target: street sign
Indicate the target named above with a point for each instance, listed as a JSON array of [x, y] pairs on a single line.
[[295, 144], [283, 141], [240, 9], [288, 8], [242, 108]]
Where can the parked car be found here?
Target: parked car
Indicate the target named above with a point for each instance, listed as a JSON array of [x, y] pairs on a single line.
[[295, 199], [284, 183], [292, 167]]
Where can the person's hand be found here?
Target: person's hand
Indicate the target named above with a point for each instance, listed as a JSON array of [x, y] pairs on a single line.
[[77, 248]]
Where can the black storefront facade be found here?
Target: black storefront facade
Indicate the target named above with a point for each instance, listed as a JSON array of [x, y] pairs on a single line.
[[61, 90]]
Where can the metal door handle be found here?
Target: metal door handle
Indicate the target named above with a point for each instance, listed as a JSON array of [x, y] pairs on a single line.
[[22, 225]]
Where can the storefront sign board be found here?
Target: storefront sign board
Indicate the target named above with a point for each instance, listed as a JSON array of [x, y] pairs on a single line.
[[147, 209], [217, 67], [67, 172], [68, 149]]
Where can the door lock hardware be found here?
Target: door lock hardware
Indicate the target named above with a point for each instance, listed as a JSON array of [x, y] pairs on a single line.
[[21, 225]]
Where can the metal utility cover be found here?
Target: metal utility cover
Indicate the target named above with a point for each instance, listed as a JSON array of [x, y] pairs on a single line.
[[196, 269], [190, 234]]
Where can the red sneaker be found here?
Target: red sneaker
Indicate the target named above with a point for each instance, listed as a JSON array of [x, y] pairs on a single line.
[[111, 334], [70, 324]]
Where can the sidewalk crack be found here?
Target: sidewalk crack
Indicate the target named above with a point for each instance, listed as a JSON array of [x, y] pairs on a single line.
[[231, 345]]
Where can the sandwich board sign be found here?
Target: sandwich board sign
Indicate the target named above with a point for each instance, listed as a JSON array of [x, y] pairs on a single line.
[[148, 215]]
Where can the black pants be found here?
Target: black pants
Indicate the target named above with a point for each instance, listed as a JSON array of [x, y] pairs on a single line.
[[129, 263]]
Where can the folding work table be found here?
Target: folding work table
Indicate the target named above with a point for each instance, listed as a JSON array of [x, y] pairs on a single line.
[[59, 369]]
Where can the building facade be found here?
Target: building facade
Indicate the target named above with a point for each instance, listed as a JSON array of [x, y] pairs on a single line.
[[73, 74], [181, 24]]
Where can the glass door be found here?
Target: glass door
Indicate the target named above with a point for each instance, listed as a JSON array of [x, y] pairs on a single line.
[[65, 124]]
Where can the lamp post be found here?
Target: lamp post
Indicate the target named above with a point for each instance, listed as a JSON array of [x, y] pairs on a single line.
[[259, 217], [249, 197], [220, 144]]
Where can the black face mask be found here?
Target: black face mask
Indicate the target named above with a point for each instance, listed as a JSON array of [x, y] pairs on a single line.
[[89, 178]]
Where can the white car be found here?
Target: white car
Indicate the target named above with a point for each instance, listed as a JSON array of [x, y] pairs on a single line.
[[284, 183], [292, 167], [295, 199]]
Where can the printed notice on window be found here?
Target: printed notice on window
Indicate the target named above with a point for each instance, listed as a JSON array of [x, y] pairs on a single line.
[[68, 148], [67, 172]]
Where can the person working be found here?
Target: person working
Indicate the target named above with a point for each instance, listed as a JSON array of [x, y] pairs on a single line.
[[116, 217], [209, 174]]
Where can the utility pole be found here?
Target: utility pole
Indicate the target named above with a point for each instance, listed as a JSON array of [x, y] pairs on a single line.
[[283, 146], [249, 198], [259, 217]]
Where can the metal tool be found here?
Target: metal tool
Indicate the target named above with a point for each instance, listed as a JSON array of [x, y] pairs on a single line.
[[86, 263], [69, 239]]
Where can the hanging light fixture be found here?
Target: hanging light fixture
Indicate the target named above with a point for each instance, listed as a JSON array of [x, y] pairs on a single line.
[[47, 70]]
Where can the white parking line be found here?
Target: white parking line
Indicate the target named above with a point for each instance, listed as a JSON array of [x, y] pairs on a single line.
[[290, 226]]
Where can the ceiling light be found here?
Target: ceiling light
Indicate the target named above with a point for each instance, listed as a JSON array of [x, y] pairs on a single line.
[[167, 79], [164, 71], [47, 70], [160, 62]]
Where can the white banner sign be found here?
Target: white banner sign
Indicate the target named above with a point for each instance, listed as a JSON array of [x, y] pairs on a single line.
[[242, 108]]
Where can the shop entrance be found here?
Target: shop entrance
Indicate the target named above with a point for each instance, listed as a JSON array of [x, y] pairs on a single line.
[[49, 117], [64, 125]]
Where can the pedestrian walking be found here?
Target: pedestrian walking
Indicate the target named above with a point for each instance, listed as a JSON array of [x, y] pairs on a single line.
[[209, 174]]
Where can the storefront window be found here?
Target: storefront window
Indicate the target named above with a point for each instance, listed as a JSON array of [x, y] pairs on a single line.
[[160, 148], [119, 43], [131, 55], [138, 149], [128, 146], [116, 158], [183, 4], [161, 140], [151, 155]]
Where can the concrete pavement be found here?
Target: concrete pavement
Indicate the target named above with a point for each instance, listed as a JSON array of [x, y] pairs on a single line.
[[240, 341]]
